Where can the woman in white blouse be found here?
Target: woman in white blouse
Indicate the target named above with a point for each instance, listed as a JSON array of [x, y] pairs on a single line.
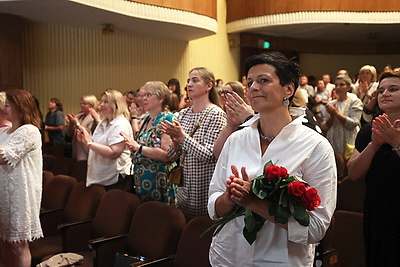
[[109, 159], [274, 136]]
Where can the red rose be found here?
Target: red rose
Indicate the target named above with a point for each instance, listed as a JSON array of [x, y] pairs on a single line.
[[296, 188], [283, 172], [310, 199], [272, 172]]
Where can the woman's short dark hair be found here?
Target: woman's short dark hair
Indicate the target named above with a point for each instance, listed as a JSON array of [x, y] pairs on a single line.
[[389, 74], [287, 70]]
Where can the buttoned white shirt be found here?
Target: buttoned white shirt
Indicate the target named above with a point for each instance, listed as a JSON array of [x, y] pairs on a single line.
[[102, 170], [305, 154]]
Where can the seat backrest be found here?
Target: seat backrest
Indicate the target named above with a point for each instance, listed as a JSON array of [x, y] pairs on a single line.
[[193, 249], [83, 202], [114, 215], [59, 149], [79, 170], [56, 193], [48, 160], [155, 230], [350, 195], [61, 165], [46, 176], [347, 238]]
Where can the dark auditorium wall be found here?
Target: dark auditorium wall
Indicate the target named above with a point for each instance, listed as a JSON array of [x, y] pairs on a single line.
[[10, 52]]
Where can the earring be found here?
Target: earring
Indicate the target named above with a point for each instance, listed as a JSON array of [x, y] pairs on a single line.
[[285, 101]]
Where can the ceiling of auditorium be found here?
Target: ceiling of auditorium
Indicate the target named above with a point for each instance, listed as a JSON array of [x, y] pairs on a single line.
[[68, 13]]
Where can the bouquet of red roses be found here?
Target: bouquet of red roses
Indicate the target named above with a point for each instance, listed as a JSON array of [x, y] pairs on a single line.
[[286, 195]]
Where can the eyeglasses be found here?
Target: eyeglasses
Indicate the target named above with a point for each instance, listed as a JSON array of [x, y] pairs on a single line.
[[147, 95], [225, 93], [390, 90]]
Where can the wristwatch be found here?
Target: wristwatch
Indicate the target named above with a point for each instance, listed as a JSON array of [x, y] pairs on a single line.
[[396, 148]]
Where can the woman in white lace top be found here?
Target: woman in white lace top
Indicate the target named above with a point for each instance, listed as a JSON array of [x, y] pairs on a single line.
[[20, 179]]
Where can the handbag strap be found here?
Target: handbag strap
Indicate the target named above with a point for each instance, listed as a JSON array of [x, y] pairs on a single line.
[[194, 130]]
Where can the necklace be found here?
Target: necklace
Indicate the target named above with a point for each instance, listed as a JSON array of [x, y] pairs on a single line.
[[263, 137]]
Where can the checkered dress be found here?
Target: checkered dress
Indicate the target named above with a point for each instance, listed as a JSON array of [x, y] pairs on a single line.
[[199, 162]]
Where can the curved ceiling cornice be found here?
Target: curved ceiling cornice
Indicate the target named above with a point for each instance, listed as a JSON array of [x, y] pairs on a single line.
[[126, 17], [324, 25], [154, 13], [312, 17]]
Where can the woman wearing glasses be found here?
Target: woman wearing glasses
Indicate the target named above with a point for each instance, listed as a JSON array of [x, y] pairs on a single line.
[[377, 158], [149, 148]]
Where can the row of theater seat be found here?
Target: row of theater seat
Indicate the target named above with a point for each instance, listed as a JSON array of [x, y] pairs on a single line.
[[66, 166], [98, 224], [343, 243]]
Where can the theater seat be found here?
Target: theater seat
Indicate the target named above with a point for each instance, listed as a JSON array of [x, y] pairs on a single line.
[[82, 205], [154, 233]]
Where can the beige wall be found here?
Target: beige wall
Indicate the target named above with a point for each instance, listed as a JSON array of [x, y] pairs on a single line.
[[68, 63]]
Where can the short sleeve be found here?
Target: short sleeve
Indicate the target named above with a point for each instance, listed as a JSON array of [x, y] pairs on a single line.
[[121, 125]]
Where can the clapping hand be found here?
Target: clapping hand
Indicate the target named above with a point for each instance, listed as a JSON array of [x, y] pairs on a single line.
[[237, 110], [383, 131], [240, 188], [130, 142], [174, 130]]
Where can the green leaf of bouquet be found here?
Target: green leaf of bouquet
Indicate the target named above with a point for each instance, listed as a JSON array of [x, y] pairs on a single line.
[[249, 221], [282, 215], [273, 209], [251, 235], [283, 199], [301, 215], [219, 224], [269, 163], [289, 179], [257, 189]]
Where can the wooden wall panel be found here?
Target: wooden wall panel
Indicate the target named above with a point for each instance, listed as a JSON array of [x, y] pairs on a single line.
[[10, 52], [204, 7], [239, 9]]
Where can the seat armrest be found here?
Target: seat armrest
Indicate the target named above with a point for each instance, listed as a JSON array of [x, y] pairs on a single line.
[[75, 235], [65, 226], [96, 242], [50, 219], [153, 261], [45, 212], [105, 249]]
